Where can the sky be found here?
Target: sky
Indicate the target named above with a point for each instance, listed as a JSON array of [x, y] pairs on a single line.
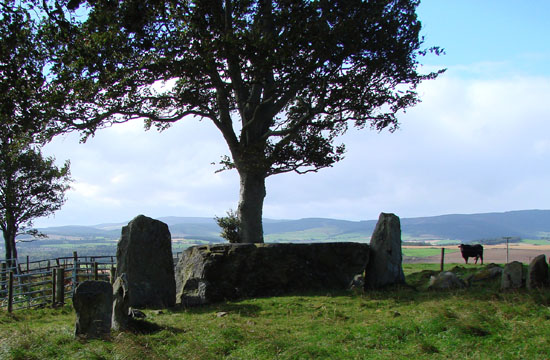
[[478, 142]]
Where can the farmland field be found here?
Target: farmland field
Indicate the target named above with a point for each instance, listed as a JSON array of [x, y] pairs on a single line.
[[522, 252], [423, 251]]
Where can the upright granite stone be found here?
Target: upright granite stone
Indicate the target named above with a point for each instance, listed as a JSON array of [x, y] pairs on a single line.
[[537, 274], [512, 276], [121, 303], [385, 265], [93, 301], [144, 254], [212, 273]]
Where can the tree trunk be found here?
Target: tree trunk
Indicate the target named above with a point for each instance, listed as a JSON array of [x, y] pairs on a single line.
[[7, 244], [11, 252], [249, 212], [13, 249]]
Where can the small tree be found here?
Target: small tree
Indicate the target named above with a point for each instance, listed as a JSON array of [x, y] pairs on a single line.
[[230, 226], [31, 185]]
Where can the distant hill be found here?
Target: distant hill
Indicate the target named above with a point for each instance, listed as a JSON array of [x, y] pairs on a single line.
[[524, 224], [533, 224]]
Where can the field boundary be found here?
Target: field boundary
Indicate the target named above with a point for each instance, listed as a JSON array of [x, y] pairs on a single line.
[[49, 282], [32, 284]]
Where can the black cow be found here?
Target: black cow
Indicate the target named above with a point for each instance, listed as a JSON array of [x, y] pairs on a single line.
[[469, 251]]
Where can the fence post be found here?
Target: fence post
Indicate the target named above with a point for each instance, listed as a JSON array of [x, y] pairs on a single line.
[[60, 286], [28, 264], [4, 277], [442, 259], [75, 270], [113, 274], [507, 248], [27, 289], [95, 266], [10, 292], [54, 270]]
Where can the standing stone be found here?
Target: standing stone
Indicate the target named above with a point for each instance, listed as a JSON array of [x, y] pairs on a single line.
[[121, 303], [144, 253], [512, 276], [537, 274], [93, 301], [384, 267]]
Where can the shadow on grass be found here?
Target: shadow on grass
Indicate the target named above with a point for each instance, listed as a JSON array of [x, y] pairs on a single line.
[[249, 310], [144, 327]]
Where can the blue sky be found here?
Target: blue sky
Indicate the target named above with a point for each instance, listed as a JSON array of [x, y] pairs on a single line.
[[478, 142], [512, 34]]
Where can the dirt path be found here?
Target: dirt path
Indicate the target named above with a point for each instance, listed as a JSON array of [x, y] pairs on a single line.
[[491, 254]]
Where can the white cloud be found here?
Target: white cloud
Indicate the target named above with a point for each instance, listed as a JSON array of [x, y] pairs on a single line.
[[470, 146], [85, 190]]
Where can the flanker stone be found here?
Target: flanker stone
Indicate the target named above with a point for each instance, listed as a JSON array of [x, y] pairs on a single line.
[[144, 254], [385, 265]]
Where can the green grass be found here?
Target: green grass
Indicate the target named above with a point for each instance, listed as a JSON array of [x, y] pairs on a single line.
[[426, 238], [399, 323], [423, 252], [536, 241], [80, 246], [321, 234], [448, 242]]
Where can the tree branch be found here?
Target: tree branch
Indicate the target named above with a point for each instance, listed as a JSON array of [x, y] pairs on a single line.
[[233, 64]]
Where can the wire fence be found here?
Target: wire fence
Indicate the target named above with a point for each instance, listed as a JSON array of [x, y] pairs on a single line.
[[50, 282]]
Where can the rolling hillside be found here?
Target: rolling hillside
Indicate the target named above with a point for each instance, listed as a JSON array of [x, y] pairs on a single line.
[[532, 224]]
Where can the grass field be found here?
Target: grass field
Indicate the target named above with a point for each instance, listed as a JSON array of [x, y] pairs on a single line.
[[399, 323], [536, 241], [326, 234], [425, 251]]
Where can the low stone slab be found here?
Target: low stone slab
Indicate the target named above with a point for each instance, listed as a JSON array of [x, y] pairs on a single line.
[[512, 276], [446, 281], [212, 273], [93, 301], [490, 272]]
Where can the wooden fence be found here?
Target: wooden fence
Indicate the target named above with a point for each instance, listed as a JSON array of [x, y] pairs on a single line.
[[30, 284]]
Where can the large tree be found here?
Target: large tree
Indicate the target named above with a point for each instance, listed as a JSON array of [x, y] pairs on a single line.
[[279, 79], [31, 185]]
